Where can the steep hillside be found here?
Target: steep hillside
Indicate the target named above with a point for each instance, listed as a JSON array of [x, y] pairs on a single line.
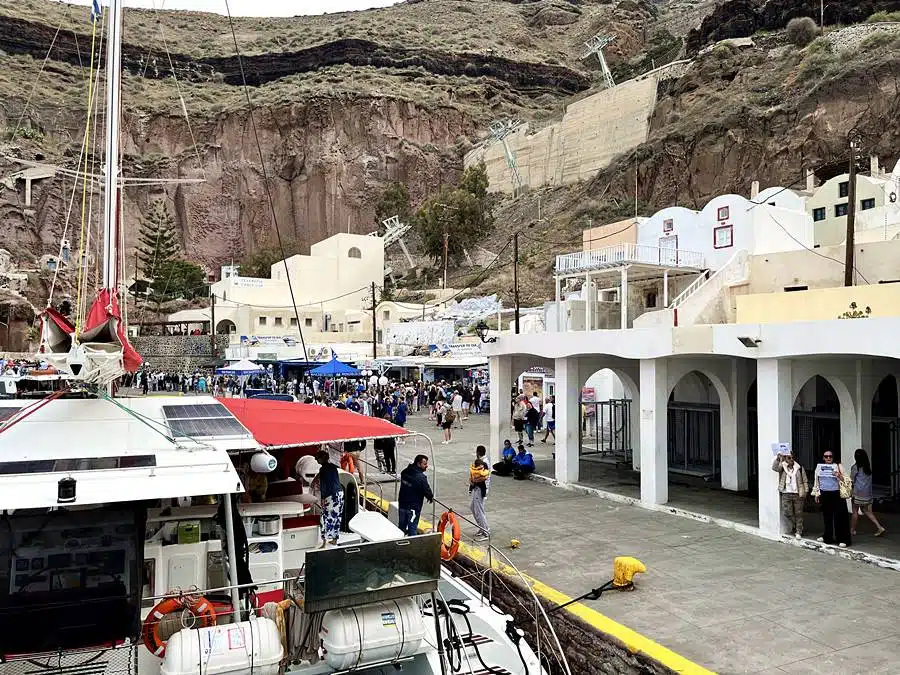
[[345, 104]]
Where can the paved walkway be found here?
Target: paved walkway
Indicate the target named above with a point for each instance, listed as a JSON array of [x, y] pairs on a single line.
[[729, 601]]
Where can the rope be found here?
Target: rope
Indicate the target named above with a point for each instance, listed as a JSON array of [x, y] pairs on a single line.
[[86, 144], [29, 411]]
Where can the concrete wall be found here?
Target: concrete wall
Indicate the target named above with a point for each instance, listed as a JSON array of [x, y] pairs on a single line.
[[820, 304], [591, 132], [824, 268], [620, 232]]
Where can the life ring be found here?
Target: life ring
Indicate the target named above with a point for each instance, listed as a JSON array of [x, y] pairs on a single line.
[[198, 606], [347, 462], [449, 552]]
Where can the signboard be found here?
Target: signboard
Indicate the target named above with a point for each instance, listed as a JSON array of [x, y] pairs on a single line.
[[458, 350], [588, 395], [781, 449], [247, 282], [267, 356]]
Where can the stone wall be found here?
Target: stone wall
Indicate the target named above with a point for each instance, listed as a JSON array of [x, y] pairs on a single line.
[[588, 651], [591, 133], [178, 353]]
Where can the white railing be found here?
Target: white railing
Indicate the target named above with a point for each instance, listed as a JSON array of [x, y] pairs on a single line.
[[627, 253], [695, 298]]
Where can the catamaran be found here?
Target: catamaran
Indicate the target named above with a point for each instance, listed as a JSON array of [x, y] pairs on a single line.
[[179, 535]]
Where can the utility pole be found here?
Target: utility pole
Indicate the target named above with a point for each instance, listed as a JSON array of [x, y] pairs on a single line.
[[374, 329], [446, 248], [212, 325], [516, 277], [851, 216]]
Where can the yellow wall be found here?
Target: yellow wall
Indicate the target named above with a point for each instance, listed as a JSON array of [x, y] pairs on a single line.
[[819, 304]]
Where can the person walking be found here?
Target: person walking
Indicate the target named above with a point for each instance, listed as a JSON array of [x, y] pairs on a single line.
[[827, 491], [332, 494], [793, 487], [446, 415], [457, 403], [549, 419], [861, 478], [478, 478], [414, 490], [476, 400]]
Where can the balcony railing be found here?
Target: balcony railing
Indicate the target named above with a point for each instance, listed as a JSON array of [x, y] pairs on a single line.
[[628, 254]]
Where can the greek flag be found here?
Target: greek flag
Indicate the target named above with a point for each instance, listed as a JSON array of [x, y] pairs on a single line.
[[95, 10]]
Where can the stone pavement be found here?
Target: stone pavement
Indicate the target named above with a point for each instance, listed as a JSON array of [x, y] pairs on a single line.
[[729, 601]]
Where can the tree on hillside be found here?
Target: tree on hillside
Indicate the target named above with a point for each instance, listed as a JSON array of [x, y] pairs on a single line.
[[259, 262], [464, 214], [157, 241], [178, 279], [394, 202]]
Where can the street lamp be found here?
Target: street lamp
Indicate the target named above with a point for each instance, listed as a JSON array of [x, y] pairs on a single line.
[[481, 330]]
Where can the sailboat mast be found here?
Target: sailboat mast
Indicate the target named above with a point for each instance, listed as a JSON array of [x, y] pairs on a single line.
[[113, 111]]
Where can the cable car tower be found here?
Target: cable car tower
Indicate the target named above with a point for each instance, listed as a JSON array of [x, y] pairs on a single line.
[[500, 129], [595, 46]]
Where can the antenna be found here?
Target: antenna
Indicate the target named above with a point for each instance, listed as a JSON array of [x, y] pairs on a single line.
[[595, 46], [500, 129]]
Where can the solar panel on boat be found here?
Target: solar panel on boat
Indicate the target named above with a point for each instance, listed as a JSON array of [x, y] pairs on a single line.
[[7, 412], [189, 412], [206, 420]]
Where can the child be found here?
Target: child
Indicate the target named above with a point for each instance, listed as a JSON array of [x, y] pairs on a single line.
[[478, 475]]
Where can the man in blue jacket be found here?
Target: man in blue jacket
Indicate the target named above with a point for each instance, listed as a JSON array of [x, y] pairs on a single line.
[[400, 412], [414, 490], [523, 464]]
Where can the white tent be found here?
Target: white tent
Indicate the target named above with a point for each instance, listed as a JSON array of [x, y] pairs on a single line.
[[242, 367]]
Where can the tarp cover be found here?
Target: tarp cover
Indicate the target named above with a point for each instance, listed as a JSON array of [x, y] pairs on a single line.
[[280, 424], [335, 367], [103, 324], [242, 367]]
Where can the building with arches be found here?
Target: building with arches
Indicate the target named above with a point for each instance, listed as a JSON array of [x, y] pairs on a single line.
[[727, 330]]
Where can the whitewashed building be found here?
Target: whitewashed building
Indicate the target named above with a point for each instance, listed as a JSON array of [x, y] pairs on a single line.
[[731, 332]]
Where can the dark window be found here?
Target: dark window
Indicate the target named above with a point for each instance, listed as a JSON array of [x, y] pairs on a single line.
[[650, 300], [789, 289], [307, 322], [293, 321], [277, 320], [819, 214], [844, 188], [867, 204], [840, 210]]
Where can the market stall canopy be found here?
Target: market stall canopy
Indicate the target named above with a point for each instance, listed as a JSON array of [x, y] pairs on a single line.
[[242, 367], [335, 367], [280, 424]]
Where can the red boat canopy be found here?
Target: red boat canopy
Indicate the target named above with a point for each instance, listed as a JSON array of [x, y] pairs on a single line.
[[282, 424]]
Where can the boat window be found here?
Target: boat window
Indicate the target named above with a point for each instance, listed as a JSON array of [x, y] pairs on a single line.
[[77, 464]]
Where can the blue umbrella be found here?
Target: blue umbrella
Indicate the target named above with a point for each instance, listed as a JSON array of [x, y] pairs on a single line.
[[335, 367]]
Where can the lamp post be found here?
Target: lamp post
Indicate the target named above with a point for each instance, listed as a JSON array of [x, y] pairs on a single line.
[[481, 330]]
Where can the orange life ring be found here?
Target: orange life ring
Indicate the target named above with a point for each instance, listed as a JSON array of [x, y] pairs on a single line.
[[449, 552], [347, 462], [199, 607]]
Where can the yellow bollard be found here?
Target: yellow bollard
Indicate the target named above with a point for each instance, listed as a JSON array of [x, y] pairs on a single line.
[[624, 569]]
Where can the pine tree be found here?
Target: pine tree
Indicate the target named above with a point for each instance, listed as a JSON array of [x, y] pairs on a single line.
[[158, 242]]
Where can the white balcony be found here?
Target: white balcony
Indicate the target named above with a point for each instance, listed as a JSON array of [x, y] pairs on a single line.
[[627, 254]]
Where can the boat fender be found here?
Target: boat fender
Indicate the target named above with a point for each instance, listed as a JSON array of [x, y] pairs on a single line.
[[198, 606], [448, 552]]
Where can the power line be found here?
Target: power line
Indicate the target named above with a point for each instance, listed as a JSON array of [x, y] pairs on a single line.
[[264, 172]]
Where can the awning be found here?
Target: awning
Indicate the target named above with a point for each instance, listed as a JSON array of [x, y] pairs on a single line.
[[280, 424]]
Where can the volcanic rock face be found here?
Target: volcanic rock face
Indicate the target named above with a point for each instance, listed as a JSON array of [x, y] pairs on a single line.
[[325, 160]]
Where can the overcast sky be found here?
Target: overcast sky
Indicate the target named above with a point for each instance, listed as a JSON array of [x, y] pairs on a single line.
[[256, 7]]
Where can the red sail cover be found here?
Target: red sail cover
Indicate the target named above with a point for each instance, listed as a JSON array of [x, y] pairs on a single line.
[[56, 332], [104, 324]]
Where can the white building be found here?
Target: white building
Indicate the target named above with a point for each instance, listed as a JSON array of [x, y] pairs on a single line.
[[722, 326]]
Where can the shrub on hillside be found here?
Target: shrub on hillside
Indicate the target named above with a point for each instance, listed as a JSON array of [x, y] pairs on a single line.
[[879, 17], [802, 30]]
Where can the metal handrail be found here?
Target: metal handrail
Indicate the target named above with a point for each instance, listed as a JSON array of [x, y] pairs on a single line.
[[626, 252]]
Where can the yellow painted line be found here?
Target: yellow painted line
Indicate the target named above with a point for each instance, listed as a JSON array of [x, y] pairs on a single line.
[[634, 641]]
